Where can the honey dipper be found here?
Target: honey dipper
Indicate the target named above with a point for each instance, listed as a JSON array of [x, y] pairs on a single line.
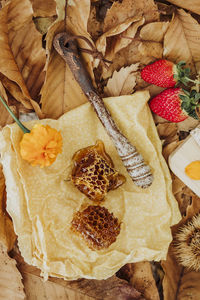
[[66, 45]]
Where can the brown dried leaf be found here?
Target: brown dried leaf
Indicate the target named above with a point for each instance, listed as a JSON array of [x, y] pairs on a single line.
[[128, 28], [154, 90], [94, 25], [182, 40], [169, 148], [43, 8], [122, 82], [121, 11], [60, 91], [168, 132], [152, 49], [154, 31], [143, 280], [188, 124], [43, 23], [5, 116], [141, 277], [192, 5], [22, 56], [7, 235], [15, 91], [11, 286], [82, 289], [125, 38], [126, 57]]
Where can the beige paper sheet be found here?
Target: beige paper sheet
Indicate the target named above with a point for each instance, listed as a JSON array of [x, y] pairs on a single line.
[[42, 202]]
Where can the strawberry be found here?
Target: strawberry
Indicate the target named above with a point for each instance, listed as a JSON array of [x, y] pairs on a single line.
[[165, 73], [175, 104]]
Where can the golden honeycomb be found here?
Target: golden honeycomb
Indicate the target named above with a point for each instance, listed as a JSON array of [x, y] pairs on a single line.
[[93, 172], [97, 226]]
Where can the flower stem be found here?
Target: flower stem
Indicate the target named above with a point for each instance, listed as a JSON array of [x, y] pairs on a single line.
[[23, 128]]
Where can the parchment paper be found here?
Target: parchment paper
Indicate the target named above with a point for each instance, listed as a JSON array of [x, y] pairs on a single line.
[[42, 202]]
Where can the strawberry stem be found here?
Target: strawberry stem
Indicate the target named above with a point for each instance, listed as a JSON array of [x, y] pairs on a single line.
[[23, 128], [195, 81]]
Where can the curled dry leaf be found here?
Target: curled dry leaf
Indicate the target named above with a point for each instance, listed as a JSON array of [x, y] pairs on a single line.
[[123, 10], [154, 31], [94, 25], [143, 280], [5, 116], [127, 56], [43, 8], [11, 286], [15, 91], [192, 5], [141, 277], [168, 132], [182, 40], [22, 56], [60, 91], [169, 148], [7, 235], [128, 28], [82, 289], [122, 82]]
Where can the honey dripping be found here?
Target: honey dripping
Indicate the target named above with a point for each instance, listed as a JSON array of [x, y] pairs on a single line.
[[98, 227], [93, 172]]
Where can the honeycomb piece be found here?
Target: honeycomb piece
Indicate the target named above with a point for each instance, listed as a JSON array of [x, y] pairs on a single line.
[[93, 172], [97, 226]]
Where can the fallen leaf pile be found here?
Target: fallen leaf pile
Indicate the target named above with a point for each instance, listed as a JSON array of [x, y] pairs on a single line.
[[33, 77]]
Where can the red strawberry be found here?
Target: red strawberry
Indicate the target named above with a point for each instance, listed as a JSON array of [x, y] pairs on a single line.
[[165, 73], [175, 104]]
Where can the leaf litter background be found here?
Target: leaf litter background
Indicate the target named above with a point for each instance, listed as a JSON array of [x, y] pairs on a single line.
[[130, 33]]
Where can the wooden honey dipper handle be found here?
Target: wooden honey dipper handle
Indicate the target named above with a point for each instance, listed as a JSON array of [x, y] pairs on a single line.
[[67, 47]]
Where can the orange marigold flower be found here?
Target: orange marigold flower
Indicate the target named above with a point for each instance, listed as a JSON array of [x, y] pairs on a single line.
[[41, 146]]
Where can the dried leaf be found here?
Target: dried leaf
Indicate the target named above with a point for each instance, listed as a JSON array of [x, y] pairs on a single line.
[[82, 289], [122, 82], [128, 28], [169, 148], [127, 56], [94, 25], [15, 91], [154, 90], [182, 40], [188, 124], [192, 5], [122, 10], [141, 277], [168, 132], [154, 31], [143, 280], [22, 56], [124, 39], [11, 286], [43, 23], [7, 235], [60, 91], [152, 49], [5, 116], [43, 8]]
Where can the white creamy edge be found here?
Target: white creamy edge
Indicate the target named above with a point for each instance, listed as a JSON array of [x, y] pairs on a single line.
[[195, 133]]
